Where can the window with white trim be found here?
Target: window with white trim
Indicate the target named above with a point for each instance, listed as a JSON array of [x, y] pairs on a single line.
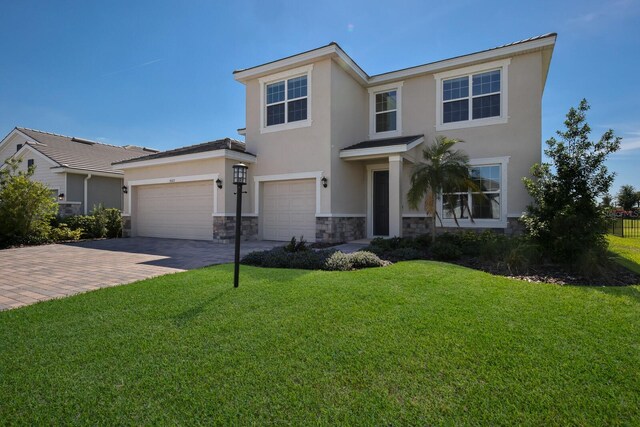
[[483, 201], [386, 111], [286, 101], [482, 101]]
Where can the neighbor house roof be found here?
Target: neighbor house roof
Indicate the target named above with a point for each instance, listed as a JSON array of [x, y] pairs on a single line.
[[219, 144], [333, 50], [79, 153]]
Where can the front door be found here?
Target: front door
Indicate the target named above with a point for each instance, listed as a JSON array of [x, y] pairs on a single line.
[[381, 203]]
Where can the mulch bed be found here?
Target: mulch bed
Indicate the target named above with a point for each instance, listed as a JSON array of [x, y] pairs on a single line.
[[616, 275]]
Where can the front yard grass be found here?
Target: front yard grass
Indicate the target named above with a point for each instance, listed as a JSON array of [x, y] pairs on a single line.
[[627, 251], [415, 343]]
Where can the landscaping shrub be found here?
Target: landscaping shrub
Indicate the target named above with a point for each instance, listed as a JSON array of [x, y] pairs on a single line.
[[26, 207], [86, 223], [364, 259], [521, 255], [113, 222], [325, 259], [444, 250], [296, 246], [406, 254], [337, 261], [63, 233]]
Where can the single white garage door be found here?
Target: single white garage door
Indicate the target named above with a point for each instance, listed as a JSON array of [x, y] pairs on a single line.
[[175, 211], [289, 210]]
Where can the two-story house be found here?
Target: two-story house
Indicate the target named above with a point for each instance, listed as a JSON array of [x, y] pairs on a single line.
[[330, 148]]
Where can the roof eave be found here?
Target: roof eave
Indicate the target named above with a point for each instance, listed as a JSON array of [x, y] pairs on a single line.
[[220, 153], [377, 152]]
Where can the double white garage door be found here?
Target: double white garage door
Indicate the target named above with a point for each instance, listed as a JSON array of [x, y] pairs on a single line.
[[184, 210]]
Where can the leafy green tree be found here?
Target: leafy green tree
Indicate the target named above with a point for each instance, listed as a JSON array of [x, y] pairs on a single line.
[[627, 197], [444, 170], [607, 200], [26, 206], [565, 218]]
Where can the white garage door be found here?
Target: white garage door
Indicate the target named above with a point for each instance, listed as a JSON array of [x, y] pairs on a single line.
[[175, 211], [289, 210]]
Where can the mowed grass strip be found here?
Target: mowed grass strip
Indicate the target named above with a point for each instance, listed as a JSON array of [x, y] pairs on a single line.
[[627, 251], [416, 343]]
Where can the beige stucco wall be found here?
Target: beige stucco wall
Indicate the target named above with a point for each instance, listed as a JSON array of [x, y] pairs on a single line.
[[341, 118], [304, 149], [220, 166]]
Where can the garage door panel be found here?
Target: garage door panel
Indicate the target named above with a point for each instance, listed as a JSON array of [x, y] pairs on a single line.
[[178, 211], [289, 210]]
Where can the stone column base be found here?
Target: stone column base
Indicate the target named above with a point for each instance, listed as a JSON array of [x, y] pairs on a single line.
[[224, 228], [415, 226], [126, 226], [340, 229], [68, 209]]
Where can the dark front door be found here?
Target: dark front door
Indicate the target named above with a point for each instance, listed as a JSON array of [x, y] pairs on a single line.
[[381, 203]]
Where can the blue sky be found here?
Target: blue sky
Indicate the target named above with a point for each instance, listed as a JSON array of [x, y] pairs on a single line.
[[158, 73]]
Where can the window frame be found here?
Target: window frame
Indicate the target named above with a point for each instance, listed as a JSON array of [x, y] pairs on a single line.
[[285, 76], [500, 222], [469, 72], [397, 86]]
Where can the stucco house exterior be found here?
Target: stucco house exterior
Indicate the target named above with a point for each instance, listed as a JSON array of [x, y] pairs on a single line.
[[330, 148], [78, 171]]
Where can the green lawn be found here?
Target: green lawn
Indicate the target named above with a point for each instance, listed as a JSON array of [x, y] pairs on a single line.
[[416, 343], [628, 251]]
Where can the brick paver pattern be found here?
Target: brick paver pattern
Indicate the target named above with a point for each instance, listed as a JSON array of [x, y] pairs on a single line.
[[39, 273]]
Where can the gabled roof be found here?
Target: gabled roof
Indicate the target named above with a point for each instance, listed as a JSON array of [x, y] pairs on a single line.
[[79, 153], [333, 50], [219, 144]]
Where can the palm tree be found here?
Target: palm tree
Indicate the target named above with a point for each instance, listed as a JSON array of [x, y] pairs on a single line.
[[444, 170]]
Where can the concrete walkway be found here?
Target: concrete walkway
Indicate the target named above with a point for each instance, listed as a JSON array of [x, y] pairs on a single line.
[[39, 273]]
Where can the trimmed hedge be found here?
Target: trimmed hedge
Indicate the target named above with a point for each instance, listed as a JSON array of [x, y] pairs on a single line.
[[313, 259]]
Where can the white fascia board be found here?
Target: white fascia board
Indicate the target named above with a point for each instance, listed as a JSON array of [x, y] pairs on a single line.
[[26, 148], [390, 149], [463, 60], [227, 154], [16, 132], [243, 76], [114, 174]]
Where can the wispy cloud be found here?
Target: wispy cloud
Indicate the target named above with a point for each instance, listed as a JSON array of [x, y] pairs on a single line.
[[133, 67], [630, 142], [605, 11]]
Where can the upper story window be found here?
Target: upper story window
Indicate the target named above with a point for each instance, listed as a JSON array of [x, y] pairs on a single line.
[[30, 163], [286, 100], [385, 111], [18, 147], [473, 96]]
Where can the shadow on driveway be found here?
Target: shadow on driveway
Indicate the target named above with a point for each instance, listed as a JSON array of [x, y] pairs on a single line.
[[176, 253]]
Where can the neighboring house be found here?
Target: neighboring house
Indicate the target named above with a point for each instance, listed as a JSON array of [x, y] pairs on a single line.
[[78, 171], [332, 148]]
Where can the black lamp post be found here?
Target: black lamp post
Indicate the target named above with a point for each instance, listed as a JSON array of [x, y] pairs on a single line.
[[239, 179]]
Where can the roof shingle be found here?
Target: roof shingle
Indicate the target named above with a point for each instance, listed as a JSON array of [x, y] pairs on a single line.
[[80, 153]]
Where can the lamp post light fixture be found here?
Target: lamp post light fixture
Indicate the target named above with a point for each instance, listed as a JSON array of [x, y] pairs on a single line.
[[125, 190], [239, 179]]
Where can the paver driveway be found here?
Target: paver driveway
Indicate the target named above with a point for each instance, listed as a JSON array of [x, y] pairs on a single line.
[[38, 273]]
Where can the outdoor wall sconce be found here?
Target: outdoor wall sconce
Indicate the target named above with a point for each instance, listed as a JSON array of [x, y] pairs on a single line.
[[239, 179], [219, 183], [61, 196], [125, 190], [324, 181]]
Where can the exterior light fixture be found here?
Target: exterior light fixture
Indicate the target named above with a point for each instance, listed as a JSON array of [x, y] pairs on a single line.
[[125, 190], [219, 183], [239, 179], [324, 181], [61, 196]]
